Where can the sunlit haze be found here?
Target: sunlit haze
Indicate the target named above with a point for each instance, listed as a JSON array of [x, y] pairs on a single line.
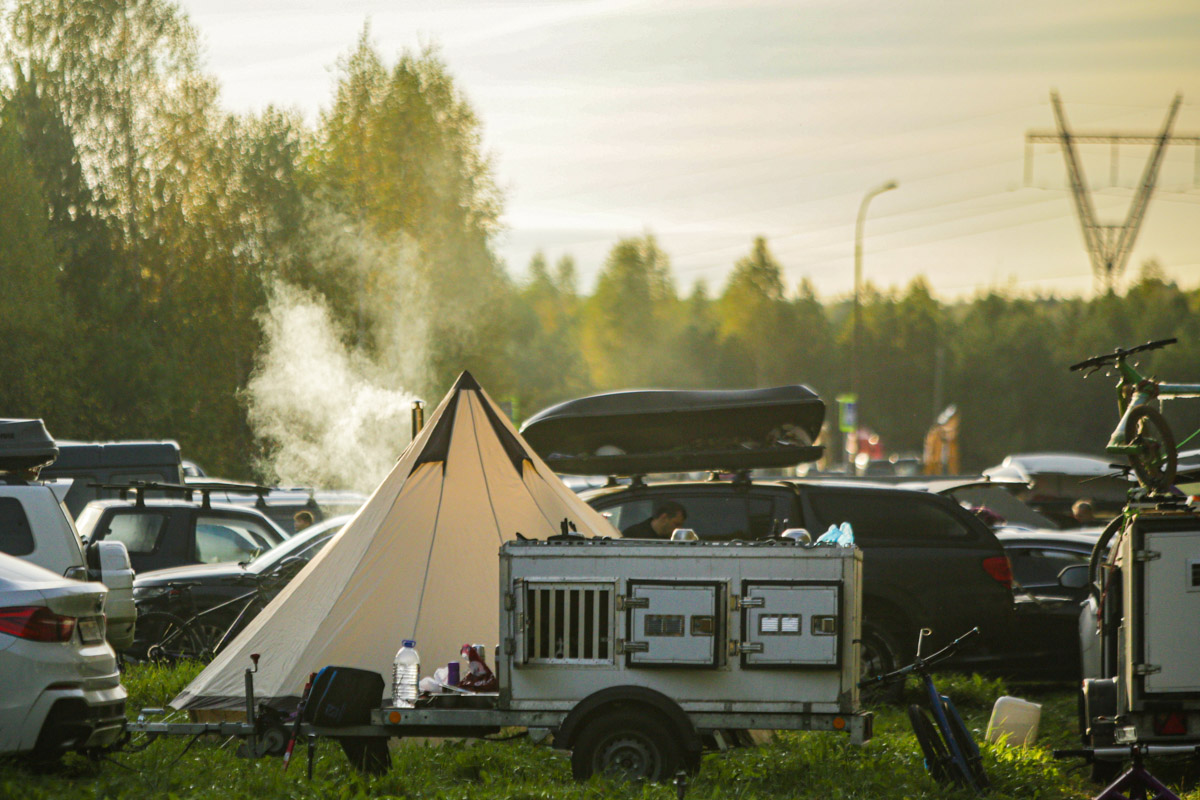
[[709, 122]]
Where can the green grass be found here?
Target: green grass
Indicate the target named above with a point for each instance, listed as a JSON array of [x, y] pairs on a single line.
[[793, 765]]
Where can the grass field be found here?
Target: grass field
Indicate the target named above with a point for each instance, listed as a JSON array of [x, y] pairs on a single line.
[[792, 766]]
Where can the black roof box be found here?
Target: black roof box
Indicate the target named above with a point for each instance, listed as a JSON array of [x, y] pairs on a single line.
[[25, 444], [659, 430]]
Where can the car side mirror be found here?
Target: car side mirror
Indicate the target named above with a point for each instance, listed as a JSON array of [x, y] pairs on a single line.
[[1073, 577]]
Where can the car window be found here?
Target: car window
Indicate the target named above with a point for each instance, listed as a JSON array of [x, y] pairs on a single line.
[[141, 533], [879, 517], [217, 541], [713, 517], [1038, 567], [260, 533], [16, 536]]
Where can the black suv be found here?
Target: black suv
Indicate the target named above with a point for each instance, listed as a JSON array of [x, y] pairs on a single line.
[[173, 533], [927, 562]]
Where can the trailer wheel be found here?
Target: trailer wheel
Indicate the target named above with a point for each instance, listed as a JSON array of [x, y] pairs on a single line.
[[629, 746]]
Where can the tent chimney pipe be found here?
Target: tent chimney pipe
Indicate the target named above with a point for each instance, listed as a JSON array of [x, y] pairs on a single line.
[[418, 417]]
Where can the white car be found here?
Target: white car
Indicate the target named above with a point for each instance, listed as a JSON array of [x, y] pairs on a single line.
[[35, 526], [61, 689]]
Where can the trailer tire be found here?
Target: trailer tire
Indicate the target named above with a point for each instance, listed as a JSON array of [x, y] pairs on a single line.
[[627, 745]]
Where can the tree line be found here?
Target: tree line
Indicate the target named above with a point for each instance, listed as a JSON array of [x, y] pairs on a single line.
[[146, 234]]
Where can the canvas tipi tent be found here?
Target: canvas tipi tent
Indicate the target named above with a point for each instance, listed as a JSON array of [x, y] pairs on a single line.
[[419, 560]]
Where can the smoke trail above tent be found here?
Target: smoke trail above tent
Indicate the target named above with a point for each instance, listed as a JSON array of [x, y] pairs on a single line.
[[327, 414]]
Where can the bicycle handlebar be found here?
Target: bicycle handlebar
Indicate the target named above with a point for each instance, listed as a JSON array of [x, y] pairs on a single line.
[[921, 664], [1120, 353]]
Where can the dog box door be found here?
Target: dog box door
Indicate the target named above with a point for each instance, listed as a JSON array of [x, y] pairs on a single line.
[[791, 624], [673, 624]]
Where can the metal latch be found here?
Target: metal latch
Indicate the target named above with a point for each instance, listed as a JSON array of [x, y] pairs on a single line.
[[750, 647], [1146, 669], [624, 602], [1146, 555], [624, 646], [750, 602]]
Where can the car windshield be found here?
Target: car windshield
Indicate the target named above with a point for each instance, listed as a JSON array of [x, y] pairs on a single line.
[[304, 544]]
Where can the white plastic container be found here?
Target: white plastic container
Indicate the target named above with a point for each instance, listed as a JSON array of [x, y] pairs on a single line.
[[1014, 721], [405, 673]]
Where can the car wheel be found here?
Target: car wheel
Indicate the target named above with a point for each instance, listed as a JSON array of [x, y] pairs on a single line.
[[879, 654], [627, 746]]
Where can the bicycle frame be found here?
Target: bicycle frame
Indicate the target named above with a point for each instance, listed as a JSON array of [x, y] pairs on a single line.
[[1142, 433], [963, 754], [1134, 390], [255, 596]]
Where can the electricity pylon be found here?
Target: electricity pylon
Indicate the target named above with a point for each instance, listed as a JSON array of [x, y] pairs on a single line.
[[1108, 245]]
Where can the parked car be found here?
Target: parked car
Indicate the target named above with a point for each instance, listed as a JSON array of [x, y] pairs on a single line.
[[85, 467], [1057, 480], [61, 690], [210, 585], [1045, 641], [35, 527], [927, 562], [174, 533]]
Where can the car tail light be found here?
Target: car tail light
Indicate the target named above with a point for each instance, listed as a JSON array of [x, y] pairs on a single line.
[[1000, 569], [1170, 723], [36, 623]]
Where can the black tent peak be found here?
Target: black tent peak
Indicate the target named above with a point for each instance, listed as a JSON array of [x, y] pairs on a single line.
[[466, 381], [437, 446]]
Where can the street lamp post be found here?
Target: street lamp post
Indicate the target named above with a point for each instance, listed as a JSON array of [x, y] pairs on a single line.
[[854, 354]]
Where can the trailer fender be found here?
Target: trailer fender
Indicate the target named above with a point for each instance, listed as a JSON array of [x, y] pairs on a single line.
[[631, 697]]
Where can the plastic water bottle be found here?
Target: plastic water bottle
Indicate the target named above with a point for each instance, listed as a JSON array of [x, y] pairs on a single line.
[[405, 674]]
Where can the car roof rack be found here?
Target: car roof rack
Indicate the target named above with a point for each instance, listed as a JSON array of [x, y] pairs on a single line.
[[206, 488]]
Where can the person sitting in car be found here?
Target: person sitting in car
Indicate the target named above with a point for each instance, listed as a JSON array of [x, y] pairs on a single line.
[[668, 515]]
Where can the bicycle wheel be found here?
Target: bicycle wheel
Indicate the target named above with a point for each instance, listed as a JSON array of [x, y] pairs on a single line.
[[1156, 459], [937, 755], [966, 745], [162, 636]]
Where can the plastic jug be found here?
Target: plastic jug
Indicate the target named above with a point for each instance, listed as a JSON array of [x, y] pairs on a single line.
[[1015, 721], [405, 674]]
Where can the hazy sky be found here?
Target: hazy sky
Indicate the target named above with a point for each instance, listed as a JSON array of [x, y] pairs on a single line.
[[709, 122]]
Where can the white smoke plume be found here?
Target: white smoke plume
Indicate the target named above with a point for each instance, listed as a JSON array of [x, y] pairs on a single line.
[[328, 415]]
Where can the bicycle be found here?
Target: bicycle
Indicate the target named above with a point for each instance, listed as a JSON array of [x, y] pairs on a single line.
[[166, 636], [1142, 434], [950, 752]]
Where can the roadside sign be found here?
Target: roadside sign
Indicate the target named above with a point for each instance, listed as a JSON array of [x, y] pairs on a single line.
[[847, 412]]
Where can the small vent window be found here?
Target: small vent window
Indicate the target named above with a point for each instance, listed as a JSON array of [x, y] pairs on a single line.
[[779, 624], [1194, 575], [568, 624], [664, 625]]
